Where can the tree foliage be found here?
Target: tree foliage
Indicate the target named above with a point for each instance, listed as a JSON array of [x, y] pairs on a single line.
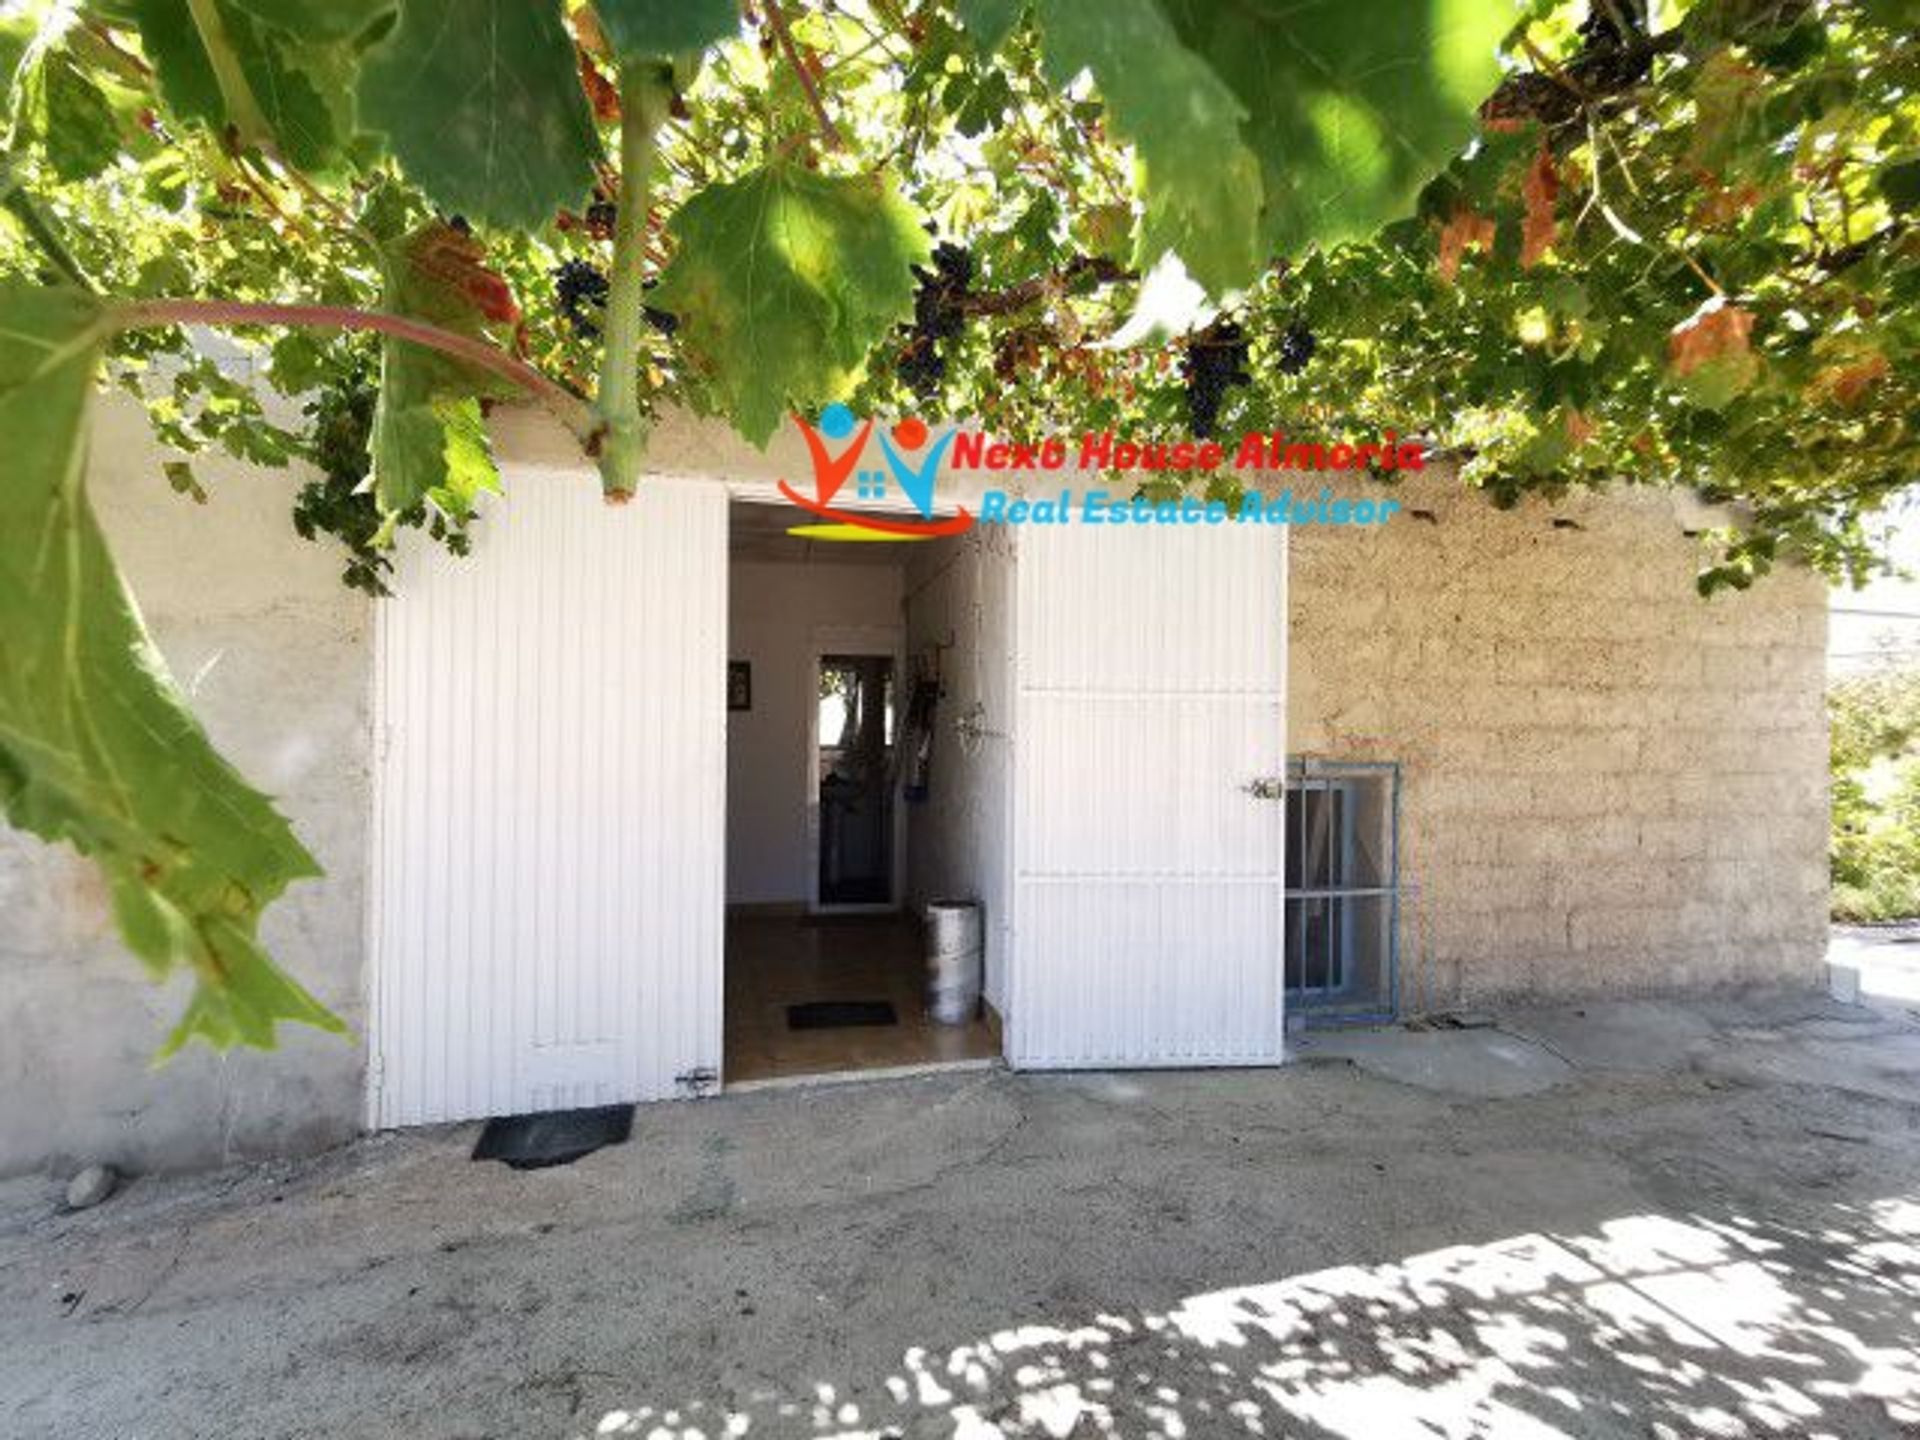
[[1569, 242], [1874, 734]]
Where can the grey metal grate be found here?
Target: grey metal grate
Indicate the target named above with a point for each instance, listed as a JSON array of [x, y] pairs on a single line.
[[1343, 890]]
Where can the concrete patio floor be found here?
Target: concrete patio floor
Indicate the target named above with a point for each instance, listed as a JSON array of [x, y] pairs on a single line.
[[1881, 961], [1643, 1219]]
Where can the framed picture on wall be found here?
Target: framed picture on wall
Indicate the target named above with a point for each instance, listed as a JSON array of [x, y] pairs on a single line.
[[739, 685]]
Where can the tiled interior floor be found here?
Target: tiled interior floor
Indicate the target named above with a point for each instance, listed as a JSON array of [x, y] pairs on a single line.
[[777, 961]]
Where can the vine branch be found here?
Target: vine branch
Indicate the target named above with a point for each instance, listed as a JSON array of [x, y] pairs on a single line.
[[645, 94], [248, 119], [40, 229], [568, 408], [1029, 292], [777, 18]]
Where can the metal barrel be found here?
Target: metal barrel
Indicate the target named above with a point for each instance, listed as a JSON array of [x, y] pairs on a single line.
[[954, 961]]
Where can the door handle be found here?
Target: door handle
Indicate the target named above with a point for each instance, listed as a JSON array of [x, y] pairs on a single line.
[[1266, 787]]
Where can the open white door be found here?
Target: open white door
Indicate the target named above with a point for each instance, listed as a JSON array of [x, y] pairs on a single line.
[[550, 807], [1148, 876]]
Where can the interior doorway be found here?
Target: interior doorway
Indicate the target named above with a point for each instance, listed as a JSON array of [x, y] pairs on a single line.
[[838, 833], [856, 789]]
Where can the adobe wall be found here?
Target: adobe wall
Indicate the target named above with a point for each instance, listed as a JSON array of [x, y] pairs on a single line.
[[1610, 785]]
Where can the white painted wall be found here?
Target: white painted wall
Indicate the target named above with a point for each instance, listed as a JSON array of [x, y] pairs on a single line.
[[776, 609], [272, 652], [960, 603]]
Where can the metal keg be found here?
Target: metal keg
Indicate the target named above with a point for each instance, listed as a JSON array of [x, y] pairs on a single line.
[[955, 961]]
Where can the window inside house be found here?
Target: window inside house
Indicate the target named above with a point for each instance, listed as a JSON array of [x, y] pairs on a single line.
[[1342, 890]]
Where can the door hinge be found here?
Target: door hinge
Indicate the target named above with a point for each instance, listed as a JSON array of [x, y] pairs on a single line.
[[698, 1083], [1266, 787]]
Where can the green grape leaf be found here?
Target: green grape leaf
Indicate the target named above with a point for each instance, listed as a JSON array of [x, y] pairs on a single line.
[[1201, 183], [427, 448], [1727, 95], [328, 22], [17, 32], [989, 22], [284, 80], [57, 106], [429, 441], [1261, 131], [481, 102], [1896, 14], [784, 281], [1353, 104], [97, 749], [1899, 183], [667, 27]]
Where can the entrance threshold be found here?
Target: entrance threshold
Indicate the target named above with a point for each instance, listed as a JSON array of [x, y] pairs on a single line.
[[779, 968], [854, 1077]]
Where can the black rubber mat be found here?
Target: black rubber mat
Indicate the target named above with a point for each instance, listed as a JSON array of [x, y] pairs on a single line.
[[558, 1137], [840, 1014]]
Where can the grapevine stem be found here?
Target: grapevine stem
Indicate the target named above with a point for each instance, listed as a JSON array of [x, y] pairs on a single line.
[[40, 229], [645, 93], [243, 110], [784, 36], [570, 409]]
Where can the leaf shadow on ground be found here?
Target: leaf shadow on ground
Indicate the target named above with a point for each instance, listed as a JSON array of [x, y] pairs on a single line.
[[1653, 1324]]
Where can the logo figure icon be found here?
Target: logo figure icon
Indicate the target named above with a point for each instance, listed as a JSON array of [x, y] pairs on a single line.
[[916, 484], [830, 471], [832, 466]]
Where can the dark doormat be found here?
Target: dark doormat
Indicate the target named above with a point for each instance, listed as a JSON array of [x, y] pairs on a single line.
[[558, 1137], [840, 1014]]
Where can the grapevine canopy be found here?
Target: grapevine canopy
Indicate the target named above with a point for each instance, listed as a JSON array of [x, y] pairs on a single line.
[[1569, 241]]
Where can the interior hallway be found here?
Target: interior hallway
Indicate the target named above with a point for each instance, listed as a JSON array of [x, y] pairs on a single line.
[[774, 961]]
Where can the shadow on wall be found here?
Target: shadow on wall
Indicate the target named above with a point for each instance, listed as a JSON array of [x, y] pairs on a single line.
[[1653, 1325]]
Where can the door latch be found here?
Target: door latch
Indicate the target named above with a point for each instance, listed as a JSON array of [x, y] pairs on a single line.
[[1266, 787]]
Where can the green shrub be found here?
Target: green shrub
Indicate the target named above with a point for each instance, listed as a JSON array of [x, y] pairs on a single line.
[[1875, 758]]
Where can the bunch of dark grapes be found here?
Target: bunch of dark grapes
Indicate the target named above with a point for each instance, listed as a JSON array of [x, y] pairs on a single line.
[[580, 290], [1296, 347], [602, 215], [1216, 362], [1614, 51], [1612, 24], [665, 321], [939, 314]]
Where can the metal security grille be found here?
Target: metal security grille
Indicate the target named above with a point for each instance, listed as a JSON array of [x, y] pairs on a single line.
[[1343, 891]]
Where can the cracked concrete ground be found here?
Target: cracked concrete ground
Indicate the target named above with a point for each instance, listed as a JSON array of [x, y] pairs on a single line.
[[1686, 1219]]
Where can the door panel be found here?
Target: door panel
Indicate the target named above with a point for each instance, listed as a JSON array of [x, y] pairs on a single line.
[[550, 731], [1149, 884]]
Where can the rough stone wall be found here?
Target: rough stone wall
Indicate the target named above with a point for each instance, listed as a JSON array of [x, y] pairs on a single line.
[[273, 650], [1609, 785]]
